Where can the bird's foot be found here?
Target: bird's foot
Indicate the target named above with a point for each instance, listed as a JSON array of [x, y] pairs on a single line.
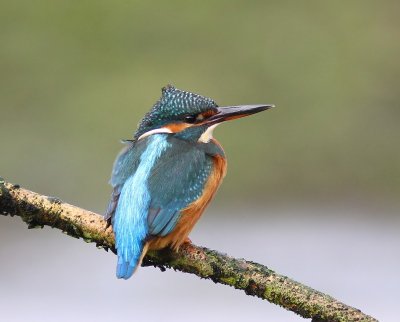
[[187, 240]]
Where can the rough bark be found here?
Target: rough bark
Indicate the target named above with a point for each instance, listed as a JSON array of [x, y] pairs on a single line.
[[254, 279]]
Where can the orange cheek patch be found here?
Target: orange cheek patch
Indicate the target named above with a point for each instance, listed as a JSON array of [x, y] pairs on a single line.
[[177, 127]]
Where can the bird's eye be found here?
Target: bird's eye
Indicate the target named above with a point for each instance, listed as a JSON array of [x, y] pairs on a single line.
[[190, 118]]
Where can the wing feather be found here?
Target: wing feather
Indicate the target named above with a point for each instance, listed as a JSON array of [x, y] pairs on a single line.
[[125, 165], [153, 180], [177, 180]]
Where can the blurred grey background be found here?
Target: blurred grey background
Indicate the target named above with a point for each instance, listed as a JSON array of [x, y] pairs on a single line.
[[312, 187]]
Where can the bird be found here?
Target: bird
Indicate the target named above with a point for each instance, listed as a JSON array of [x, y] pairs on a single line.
[[164, 178]]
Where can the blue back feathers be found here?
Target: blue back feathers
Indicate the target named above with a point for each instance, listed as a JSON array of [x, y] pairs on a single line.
[[158, 176], [130, 221], [177, 180]]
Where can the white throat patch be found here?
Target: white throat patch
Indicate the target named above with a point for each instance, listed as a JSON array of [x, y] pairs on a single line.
[[208, 134], [160, 130]]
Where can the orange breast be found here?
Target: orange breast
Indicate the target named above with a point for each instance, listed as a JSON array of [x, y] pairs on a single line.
[[191, 214]]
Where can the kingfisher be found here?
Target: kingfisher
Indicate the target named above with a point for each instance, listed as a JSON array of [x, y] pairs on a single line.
[[165, 176]]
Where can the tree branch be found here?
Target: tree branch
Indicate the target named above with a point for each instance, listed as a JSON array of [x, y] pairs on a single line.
[[254, 279]]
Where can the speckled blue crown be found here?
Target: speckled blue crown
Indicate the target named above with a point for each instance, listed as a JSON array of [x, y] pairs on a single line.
[[173, 105]]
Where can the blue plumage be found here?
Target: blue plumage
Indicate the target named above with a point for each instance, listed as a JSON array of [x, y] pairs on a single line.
[[173, 190], [163, 171], [130, 220], [149, 199], [173, 105]]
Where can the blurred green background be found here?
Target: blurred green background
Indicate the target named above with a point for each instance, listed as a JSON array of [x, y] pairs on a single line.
[[77, 76]]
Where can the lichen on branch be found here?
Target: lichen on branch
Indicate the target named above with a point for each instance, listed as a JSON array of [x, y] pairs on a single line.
[[254, 279]]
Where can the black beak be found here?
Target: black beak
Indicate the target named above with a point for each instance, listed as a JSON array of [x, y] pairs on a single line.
[[234, 112]]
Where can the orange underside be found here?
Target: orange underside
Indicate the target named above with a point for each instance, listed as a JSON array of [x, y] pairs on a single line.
[[191, 214]]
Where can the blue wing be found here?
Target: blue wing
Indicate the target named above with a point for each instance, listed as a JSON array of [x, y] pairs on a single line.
[[130, 200], [125, 165], [177, 180], [150, 191]]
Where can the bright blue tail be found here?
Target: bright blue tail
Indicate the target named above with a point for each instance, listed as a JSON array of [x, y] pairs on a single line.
[[130, 226], [126, 269]]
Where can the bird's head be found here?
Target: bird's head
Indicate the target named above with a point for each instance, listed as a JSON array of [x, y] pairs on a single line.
[[189, 116]]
